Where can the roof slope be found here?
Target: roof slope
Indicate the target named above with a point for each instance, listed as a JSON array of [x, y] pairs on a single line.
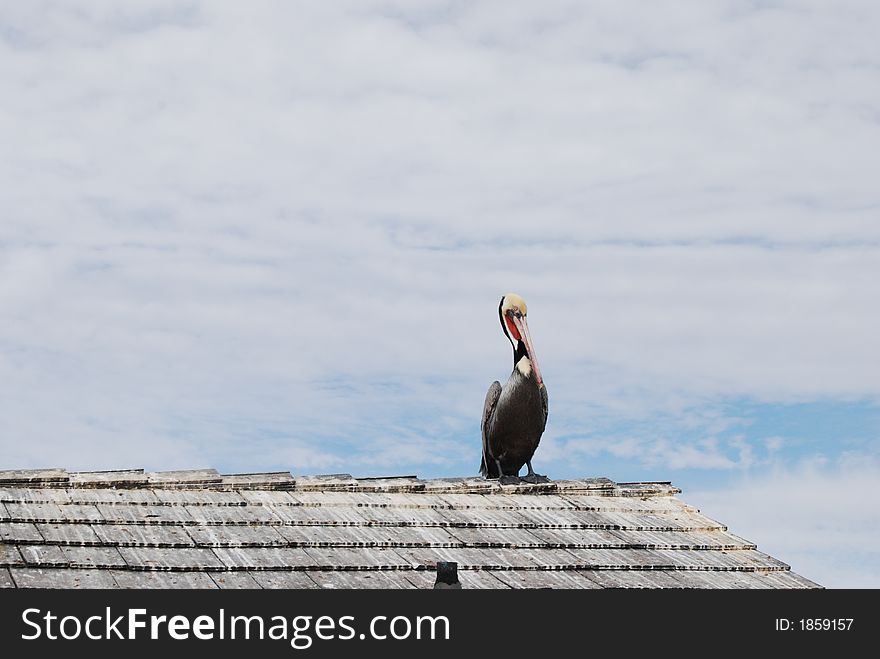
[[201, 529]]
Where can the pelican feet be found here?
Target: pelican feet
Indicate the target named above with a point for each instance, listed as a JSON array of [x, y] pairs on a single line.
[[534, 479], [510, 480]]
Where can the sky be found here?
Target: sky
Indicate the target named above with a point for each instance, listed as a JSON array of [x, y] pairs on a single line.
[[274, 236]]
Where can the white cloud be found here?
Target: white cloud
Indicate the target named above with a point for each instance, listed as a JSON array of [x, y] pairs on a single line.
[[820, 518]]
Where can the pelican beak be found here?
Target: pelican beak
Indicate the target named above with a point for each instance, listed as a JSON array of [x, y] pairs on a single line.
[[523, 327]]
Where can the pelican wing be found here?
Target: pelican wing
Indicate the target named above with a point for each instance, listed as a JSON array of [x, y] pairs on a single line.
[[487, 465], [544, 404]]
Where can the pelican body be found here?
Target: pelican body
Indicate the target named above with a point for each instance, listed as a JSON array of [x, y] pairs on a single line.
[[514, 416]]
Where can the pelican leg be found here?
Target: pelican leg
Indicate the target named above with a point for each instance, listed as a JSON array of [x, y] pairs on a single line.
[[532, 477], [504, 479]]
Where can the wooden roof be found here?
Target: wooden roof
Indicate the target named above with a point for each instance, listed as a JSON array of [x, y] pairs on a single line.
[[202, 529]]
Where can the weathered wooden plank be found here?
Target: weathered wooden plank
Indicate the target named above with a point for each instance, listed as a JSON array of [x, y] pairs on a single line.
[[373, 580], [32, 512], [631, 578], [32, 476], [6, 578], [9, 555], [578, 538], [68, 534], [327, 536], [146, 514], [236, 536], [405, 516], [165, 580], [469, 579], [126, 497], [319, 515], [462, 486], [62, 578], [234, 580], [200, 497], [164, 558], [17, 532], [139, 535], [396, 484], [73, 512], [34, 495], [284, 579], [264, 558], [97, 557], [368, 558], [499, 538], [43, 555], [556, 579], [786, 579], [184, 478], [480, 517], [326, 482], [268, 497], [276, 480], [469, 559], [128, 478], [585, 485], [241, 515]]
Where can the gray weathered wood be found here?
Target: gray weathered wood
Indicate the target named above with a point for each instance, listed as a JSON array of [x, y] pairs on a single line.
[[236, 536], [148, 514], [556, 579], [184, 478], [234, 580], [32, 476], [368, 558], [69, 534], [276, 480], [264, 558], [361, 580], [18, 532], [200, 497], [106, 495], [62, 578], [43, 555], [139, 535], [165, 580], [97, 557], [128, 478], [234, 515], [9, 555], [164, 558], [284, 579], [34, 495], [6, 578]]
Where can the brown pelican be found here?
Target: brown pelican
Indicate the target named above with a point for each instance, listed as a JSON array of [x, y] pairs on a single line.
[[514, 415]]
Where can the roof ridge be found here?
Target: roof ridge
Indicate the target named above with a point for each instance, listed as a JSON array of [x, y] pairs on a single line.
[[282, 480]]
